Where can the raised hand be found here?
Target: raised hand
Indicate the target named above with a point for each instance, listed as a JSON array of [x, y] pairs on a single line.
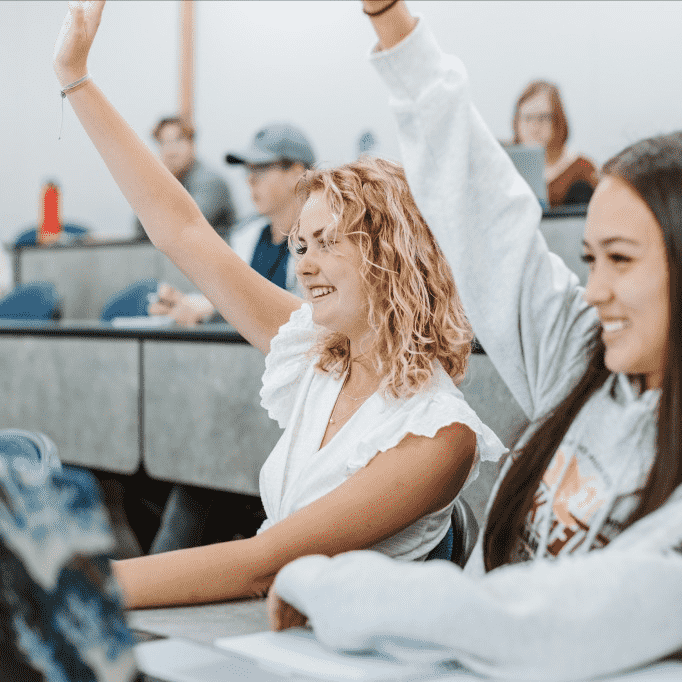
[[75, 39]]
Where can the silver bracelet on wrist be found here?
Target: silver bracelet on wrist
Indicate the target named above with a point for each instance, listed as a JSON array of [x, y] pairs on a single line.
[[68, 88], [71, 86]]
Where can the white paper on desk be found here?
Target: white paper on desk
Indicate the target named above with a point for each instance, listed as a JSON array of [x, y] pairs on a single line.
[[297, 651]]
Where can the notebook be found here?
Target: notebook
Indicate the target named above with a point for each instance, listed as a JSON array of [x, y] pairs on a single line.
[[293, 654], [530, 162]]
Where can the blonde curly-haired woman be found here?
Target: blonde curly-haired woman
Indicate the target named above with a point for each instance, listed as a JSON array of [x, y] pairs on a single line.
[[377, 441]]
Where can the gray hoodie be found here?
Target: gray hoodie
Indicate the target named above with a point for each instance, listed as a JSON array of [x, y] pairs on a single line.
[[586, 597]]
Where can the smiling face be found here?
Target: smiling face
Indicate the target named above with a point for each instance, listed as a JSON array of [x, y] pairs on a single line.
[[329, 273], [629, 281]]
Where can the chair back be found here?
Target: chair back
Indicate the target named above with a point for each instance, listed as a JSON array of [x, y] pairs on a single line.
[[133, 301], [29, 236], [31, 301], [465, 532]]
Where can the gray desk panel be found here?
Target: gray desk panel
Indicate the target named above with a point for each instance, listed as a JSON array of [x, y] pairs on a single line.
[[170, 273], [564, 237], [203, 423], [489, 396], [205, 623], [81, 393]]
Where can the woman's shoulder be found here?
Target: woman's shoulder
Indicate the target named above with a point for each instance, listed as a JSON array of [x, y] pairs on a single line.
[[571, 179], [437, 404], [287, 361]]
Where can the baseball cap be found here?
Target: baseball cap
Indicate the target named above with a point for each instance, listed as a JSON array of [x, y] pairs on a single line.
[[274, 143]]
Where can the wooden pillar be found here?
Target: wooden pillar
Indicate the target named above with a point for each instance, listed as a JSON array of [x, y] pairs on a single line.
[[186, 84]]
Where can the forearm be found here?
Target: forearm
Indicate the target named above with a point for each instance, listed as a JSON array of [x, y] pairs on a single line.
[[218, 572], [574, 619], [160, 202]]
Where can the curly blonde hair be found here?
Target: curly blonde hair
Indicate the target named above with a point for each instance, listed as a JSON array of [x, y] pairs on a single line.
[[413, 305]]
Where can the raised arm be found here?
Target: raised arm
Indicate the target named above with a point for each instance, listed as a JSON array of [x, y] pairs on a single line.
[[525, 306], [171, 218], [392, 21], [574, 618], [417, 477]]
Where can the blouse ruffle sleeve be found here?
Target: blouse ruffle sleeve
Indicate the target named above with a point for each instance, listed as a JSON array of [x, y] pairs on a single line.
[[425, 416], [287, 362]]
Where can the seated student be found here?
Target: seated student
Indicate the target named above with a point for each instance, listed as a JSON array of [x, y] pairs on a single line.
[[578, 571], [539, 119], [377, 439], [277, 158], [210, 191]]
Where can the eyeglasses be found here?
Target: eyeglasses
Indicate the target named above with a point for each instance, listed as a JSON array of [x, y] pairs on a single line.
[[545, 117]]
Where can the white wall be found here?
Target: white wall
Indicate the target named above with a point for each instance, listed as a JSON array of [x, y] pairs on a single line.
[[616, 62]]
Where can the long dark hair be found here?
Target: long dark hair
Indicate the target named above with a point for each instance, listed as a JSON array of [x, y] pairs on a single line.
[[653, 169]]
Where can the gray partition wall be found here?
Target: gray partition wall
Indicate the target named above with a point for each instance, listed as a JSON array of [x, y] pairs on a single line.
[[202, 419], [83, 393], [86, 276]]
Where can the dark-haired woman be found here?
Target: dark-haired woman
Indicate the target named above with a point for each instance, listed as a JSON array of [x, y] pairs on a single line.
[[578, 571]]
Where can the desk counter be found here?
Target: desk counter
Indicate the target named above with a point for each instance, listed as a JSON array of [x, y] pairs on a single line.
[[185, 402]]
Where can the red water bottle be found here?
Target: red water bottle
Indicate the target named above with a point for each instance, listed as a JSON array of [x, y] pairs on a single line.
[[50, 227]]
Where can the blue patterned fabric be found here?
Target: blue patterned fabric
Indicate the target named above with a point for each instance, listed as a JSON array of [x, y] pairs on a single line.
[[60, 611]]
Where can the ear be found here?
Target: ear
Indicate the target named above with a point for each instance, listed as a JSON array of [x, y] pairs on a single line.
[[294, 173]]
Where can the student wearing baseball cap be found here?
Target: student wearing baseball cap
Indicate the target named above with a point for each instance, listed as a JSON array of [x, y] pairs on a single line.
[[275, 160]]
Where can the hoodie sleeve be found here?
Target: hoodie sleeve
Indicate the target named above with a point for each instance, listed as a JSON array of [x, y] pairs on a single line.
[[577, 617], [524, 304]]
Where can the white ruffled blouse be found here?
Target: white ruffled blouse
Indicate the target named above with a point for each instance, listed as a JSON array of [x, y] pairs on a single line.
[[301, 399]]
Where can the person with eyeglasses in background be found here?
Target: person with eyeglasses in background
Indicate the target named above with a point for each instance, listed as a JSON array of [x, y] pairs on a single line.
[[175, 139], [539, 119]]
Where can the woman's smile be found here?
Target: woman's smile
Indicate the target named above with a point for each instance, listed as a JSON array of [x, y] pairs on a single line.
[[318, 293]]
